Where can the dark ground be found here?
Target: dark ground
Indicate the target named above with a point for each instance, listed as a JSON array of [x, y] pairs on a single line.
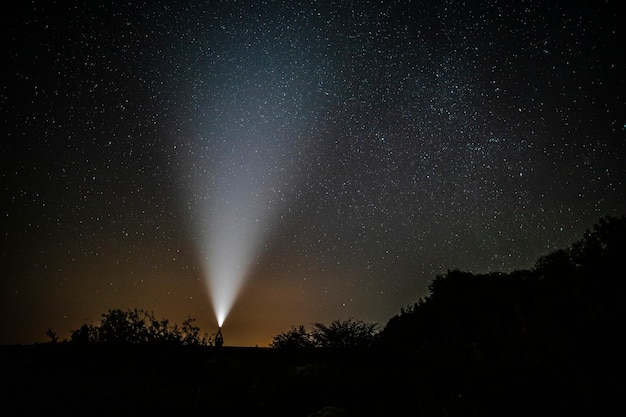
[[140, 380]]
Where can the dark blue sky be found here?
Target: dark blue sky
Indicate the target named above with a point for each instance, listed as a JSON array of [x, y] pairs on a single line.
[[359, 149]]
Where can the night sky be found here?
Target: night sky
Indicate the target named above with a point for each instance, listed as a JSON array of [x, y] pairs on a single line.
[[336, 155]]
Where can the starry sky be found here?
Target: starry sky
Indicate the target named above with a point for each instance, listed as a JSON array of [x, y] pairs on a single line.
[[340, 154]]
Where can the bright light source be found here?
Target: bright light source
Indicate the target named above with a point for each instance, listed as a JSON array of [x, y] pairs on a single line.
[[221, 316], [237, 210]]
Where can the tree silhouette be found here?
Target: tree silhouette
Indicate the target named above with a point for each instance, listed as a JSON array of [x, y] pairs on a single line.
[[350, 333], [138, 327], [548, 333], [54, 338], [294, 339]]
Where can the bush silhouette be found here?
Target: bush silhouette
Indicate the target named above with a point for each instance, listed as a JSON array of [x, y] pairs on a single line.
[[137, 326], [350, 333], [531, 337]]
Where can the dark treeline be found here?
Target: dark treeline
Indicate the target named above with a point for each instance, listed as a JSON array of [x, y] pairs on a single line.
[[572, 297], [545, 341], [136, 326], [540, 341]]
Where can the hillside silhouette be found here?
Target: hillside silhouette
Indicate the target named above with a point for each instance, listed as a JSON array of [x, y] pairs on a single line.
[[543, 341]]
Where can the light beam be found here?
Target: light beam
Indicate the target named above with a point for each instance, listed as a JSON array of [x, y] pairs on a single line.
[[243, 198], [242, 162]]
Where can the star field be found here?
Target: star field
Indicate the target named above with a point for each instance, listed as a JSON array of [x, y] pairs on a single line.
[[377, 145]]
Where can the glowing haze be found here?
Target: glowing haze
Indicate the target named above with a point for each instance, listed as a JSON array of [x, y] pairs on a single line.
[[248, 132], [242, 200], [241, 165]]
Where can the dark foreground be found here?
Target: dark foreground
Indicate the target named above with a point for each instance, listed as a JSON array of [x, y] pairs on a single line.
[[149, 380], [93, 380]]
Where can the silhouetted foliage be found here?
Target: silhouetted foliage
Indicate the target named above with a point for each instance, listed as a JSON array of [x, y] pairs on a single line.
[[603, 247], [547, 330], [138, 327], [350, 333], [555, 264], [294, 338], [52, 335]]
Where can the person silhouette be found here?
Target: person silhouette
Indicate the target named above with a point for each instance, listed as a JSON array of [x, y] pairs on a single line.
[[219, 339]]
